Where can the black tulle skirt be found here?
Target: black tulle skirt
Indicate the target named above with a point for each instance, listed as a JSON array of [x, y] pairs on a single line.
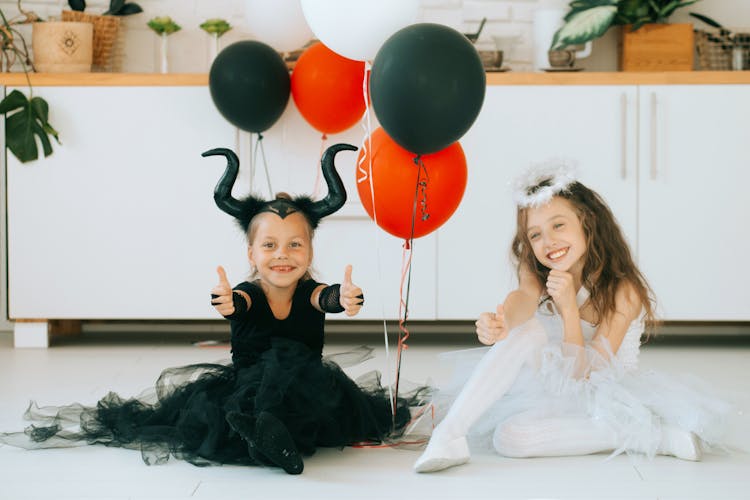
[[184, 415]]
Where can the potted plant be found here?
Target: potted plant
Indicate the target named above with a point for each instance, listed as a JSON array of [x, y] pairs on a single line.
[[163, 26], [26, 118], [106, 26], [648, 42]]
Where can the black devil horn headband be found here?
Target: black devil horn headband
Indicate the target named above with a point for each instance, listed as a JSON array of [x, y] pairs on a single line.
[[244, 210]]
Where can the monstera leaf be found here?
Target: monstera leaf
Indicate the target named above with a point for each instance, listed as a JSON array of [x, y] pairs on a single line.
[[25, 121], [584, 25]]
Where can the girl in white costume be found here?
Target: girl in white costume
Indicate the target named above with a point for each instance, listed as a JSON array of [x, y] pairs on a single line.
[[561, 376]]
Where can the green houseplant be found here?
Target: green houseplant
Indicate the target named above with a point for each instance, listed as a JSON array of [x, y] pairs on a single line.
[[590, 19], [116, 7], [26, 118], [106, 27]]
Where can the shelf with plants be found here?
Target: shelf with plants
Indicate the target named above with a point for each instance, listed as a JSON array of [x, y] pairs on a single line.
[[649, 42]]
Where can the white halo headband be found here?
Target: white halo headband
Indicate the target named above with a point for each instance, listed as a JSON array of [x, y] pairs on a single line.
[[541, 182]]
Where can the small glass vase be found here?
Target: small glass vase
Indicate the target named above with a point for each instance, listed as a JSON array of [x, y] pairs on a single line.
[[213, 48], [163, 54]]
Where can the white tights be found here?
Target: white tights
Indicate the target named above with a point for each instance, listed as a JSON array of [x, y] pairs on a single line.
[[493, 376], [527, 435]]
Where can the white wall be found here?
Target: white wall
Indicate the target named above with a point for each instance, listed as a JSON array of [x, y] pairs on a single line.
[[189, 47]]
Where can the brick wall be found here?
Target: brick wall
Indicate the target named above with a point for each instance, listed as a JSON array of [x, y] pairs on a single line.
[[189, 47]]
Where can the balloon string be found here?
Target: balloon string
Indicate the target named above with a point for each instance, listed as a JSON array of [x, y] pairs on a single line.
[[403, 334], [428, 409], [259, 147], [316, 187], [367, 125], [366, 175]]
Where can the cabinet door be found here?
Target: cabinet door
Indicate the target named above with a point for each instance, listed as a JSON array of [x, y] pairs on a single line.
[[592, 127], [120, 222], [694, 203]]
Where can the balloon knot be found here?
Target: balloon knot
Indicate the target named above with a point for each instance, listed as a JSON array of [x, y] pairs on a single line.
[[407, 245], [260, 136]]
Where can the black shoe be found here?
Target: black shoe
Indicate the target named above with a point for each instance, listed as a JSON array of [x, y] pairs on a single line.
[[273, 441], [242, 423]]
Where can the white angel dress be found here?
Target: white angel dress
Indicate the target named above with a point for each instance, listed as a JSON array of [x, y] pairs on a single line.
[[531, 394]]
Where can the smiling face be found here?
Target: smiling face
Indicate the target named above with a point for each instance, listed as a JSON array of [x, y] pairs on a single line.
[[280, 249], [556, 236]]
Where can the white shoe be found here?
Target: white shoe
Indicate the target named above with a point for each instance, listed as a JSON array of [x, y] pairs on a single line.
[[441, 454], [681, 444]]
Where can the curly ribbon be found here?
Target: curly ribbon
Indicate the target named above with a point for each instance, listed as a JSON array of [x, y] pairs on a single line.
[[406, 258]]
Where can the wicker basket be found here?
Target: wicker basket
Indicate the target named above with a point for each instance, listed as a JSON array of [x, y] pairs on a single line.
[[722, 50], [105, 36]]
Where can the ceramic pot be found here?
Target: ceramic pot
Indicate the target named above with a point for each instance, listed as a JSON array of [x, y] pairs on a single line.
[[62, 47]]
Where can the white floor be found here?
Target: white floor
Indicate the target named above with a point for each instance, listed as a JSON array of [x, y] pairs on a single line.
[[84, 370]]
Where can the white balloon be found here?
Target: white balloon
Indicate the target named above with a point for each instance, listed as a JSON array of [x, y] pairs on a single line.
[[279, 23], [358, 28]]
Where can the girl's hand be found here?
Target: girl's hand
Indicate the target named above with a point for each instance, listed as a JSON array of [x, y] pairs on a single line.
[[350, 295], [561, 288], [221, 294], [491, 326]]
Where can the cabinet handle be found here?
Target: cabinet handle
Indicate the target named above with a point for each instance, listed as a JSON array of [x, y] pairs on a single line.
[[623, 135], [654, 135]]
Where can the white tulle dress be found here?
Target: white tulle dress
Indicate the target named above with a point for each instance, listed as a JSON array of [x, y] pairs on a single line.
[[561, 381]]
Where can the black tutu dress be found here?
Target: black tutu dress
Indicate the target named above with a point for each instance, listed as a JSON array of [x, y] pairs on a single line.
[[278, 387]]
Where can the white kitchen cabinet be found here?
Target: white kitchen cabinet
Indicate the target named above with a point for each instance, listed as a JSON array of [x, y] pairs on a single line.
[[120, 222], [693, 199], [671, 161], [593, 127]]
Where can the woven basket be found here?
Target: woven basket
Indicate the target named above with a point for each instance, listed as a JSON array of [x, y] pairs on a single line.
[[716, 50], [105, 36]]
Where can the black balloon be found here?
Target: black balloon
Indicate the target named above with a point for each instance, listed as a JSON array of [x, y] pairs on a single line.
[[250, 85], [427, 87]]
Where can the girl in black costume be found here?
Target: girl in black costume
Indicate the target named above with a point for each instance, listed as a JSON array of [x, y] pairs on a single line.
[[278, 399]]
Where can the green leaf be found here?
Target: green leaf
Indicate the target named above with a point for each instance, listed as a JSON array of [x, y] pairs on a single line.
[[115, 6], [79, 5], [218, 26], [16, 99], [25, 121], [40, 108], [581, 5], [129, 9], [707, 20], [677, 4], [584, 26], [163, 25]]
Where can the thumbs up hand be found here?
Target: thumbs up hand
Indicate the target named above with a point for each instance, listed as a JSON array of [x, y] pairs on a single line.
[[491, 326], [221, 294], [350, 295]]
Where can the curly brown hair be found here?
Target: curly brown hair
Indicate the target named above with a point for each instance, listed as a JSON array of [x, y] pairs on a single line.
[[608, 261]]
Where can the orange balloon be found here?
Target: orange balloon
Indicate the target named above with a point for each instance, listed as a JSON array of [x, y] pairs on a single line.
[[396, 180], [327, 89]]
